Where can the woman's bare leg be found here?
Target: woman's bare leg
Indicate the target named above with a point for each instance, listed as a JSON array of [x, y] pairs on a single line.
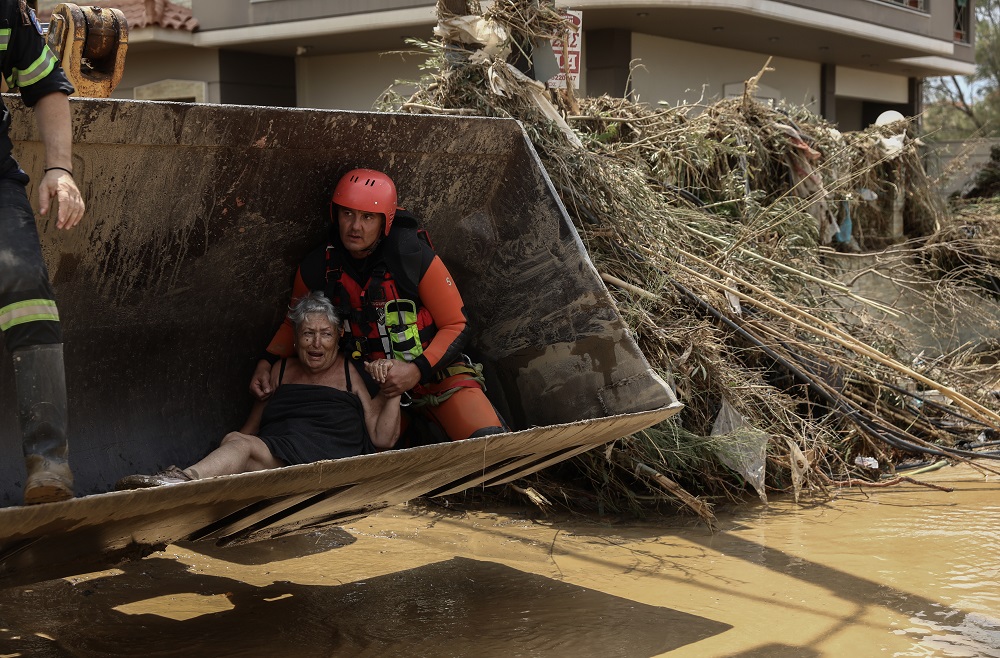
[[238, 453]]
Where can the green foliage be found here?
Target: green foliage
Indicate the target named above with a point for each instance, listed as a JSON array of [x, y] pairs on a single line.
[[958, 107]]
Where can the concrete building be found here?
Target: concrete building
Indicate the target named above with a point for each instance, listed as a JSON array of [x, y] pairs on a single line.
[[847, 60]]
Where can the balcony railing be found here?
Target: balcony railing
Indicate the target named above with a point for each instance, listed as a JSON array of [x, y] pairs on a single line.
[[962, 18], [919, 5]]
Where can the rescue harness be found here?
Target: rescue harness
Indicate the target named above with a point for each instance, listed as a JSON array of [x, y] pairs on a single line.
[[389, 323]]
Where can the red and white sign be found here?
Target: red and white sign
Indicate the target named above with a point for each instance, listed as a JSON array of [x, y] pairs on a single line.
[[567, 51]]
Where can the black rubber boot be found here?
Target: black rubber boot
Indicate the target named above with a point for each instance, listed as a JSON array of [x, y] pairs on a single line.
[[41, 409]]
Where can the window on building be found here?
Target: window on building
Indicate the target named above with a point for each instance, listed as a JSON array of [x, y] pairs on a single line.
[[919, 5], [185, 91], [962, 17]]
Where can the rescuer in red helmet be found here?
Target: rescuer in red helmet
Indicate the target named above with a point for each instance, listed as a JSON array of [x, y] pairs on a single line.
[[401, 304]]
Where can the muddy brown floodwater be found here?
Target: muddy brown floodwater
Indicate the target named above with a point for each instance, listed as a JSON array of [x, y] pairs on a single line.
[[905, 571]]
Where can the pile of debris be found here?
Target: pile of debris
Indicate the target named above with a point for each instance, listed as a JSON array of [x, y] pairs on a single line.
[[718, 229], [986, 182]]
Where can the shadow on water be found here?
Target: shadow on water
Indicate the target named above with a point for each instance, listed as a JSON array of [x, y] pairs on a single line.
[[965, 632], [658, 563], [969, 633], [845, 586], [458, 607]]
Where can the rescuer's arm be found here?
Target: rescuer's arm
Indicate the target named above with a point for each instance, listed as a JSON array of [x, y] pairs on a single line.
[[401, 378], [440, 296], [252, 424], [442, 300], [53, 118], [281, 345], [31, 67]]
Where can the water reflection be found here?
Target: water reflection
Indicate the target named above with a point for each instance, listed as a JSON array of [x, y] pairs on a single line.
[[969, 550], [970, 635]]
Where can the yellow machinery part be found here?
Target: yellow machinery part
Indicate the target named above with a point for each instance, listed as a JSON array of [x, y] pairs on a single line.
[[90, 43]]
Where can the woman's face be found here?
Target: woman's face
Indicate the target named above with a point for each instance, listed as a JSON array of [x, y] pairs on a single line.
[[316, 341], [359, 230]]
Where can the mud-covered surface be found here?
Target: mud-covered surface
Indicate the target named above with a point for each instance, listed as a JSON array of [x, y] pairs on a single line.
[[41, 542], [197, 216], [906, 571]]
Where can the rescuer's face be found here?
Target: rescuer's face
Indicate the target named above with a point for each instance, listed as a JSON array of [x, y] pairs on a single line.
[[359, 230], [316, 342]]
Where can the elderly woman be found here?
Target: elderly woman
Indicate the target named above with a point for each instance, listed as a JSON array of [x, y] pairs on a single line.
[[320, 409]]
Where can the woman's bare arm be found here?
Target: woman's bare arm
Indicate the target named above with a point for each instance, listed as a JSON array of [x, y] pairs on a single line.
[[387, 421], [381, 414]]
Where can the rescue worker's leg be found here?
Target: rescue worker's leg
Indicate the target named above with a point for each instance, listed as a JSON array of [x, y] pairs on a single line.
[[467, 413], [41, 410], [32, 334], [416, 428]]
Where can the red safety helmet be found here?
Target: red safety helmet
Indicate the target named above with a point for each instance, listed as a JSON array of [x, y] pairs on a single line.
[[366, 190]]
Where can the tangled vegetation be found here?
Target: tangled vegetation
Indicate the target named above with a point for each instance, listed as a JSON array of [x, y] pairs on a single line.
[[729, 234]]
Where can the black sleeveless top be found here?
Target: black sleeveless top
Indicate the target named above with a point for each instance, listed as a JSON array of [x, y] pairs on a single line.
[[304, 423]]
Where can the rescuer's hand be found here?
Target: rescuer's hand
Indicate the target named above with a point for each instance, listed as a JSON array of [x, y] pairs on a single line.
[[260, 383], [400, 378], [59, 184]]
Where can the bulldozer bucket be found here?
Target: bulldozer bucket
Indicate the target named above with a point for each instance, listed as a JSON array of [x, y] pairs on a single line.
[[181, 271]]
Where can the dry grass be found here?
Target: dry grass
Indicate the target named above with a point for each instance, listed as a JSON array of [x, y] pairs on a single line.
[[691, 209]]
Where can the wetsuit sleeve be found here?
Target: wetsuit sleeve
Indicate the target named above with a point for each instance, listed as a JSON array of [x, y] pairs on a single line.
[[30, 65], [439, 295], [282, 343], [310, 275]]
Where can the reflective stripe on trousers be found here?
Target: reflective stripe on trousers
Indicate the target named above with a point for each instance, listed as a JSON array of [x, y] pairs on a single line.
[[28, 313]]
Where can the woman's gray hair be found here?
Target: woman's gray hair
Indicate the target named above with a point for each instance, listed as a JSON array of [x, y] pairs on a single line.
[[315, 303]]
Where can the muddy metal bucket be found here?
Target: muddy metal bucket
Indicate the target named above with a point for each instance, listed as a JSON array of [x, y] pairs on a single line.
[[177, 277]]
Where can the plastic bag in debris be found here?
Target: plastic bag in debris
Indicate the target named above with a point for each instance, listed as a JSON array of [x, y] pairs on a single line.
[[743, 448], [892, 146], [799, 467], [505, 80], [475, 30], [866, 462]]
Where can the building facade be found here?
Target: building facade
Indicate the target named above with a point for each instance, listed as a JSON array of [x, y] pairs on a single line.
[[847, 60]]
